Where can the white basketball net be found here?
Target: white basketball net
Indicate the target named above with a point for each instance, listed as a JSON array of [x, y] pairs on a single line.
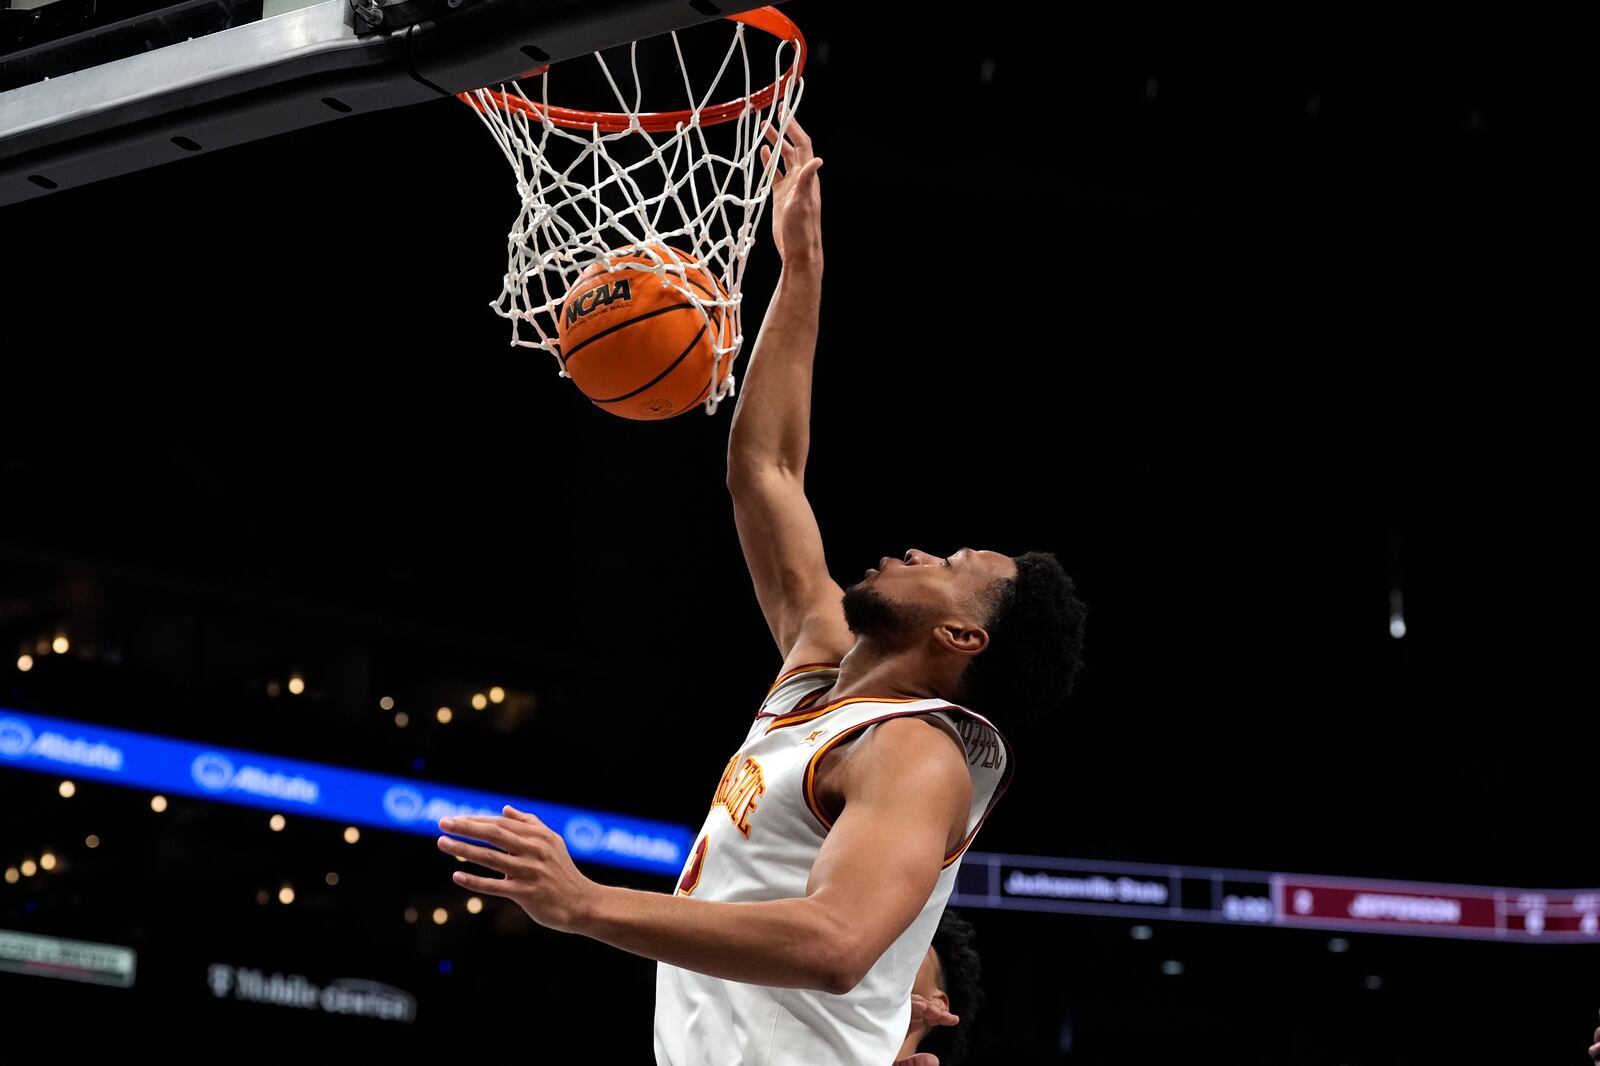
[[590, 196]]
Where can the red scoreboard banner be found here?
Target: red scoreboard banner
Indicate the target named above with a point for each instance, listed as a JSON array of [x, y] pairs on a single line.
[[1196, 894], [1435, 910]]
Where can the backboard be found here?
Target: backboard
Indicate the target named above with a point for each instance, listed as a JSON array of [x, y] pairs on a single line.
[[91, 89]]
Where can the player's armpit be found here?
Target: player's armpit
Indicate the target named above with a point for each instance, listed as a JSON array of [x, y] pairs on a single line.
[[906, 791]]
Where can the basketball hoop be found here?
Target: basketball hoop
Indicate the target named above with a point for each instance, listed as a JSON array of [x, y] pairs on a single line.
[[623, 187]]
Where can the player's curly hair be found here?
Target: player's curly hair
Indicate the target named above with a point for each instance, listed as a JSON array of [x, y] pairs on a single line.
[[1035, 643], [960, 972]]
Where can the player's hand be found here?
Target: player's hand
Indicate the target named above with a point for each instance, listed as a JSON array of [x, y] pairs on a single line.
[[1594, 1051], [796, 196], [927, 1013], [539, 875]]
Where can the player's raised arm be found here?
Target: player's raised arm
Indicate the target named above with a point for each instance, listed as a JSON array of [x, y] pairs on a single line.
[[771, 433]]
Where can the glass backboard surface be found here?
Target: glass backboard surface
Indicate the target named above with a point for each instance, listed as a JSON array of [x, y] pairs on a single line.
[[90, 89]]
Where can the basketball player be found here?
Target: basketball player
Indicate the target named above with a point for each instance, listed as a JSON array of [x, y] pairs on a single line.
[[946, 982], [808, 902]]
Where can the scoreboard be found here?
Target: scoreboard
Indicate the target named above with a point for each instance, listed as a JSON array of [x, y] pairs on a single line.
[[1303, 901]]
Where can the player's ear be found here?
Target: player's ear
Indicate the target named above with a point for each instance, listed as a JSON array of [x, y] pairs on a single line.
[[961, 637]]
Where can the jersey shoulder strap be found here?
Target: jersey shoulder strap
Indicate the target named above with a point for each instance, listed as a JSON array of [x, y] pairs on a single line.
[[795, 685]]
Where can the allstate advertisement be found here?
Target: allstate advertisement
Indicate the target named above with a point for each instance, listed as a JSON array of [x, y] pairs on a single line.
[[227, 775]]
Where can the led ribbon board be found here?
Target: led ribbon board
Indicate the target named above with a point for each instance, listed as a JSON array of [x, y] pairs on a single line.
[[1139, 891], [227, 775]]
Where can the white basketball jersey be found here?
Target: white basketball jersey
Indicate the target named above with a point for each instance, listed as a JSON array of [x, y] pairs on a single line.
[[759, 842]]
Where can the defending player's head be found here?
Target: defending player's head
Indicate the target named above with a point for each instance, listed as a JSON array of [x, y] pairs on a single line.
[[955, 972], [1014, 625]]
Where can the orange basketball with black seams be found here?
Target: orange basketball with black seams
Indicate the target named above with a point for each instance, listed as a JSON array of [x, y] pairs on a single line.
[[635, 344]]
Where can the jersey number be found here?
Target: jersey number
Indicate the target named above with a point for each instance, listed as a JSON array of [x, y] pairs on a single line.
[[691, 876]]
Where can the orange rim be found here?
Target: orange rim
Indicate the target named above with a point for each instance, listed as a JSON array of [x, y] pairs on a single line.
[[769, 19]]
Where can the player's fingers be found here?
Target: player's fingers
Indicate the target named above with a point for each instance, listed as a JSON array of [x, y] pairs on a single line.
[[489, 886], [921, 1058], [798, 135], [926, 1012], [808, 173], [490, 830], [774, 138], [781, 171], [524, 817], [793, 137], [485, 857]]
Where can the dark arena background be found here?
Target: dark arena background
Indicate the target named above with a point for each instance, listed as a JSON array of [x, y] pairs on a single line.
[[1276, 332]]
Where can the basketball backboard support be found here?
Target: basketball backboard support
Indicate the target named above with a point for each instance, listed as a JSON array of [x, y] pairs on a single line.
[[263, 67]]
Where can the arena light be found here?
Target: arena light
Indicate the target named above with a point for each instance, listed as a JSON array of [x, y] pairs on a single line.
[[158, 803], [1172, 968], [13, 875], [386, 703], [411, 916], [61, 645], [440, 916], [47, 861], [1141, 932], [1338, 945], [1397, 614], [91, 841], [351, 834], [286, 895], [24, 662], [444, 715], [276, 822], [297, 685], [332, 878], [29, 867], [67, 789], [401, 719], [474, 905], [479, 701], [497, 695]]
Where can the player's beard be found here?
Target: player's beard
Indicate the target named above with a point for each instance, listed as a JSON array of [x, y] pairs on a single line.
[[873, 616]]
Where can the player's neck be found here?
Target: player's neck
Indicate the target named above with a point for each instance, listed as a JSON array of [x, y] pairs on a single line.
[[868, 669]]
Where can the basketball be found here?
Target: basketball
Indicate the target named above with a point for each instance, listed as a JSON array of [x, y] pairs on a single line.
[[634, 343]]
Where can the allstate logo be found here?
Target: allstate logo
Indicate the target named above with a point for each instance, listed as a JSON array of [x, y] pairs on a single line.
[[583, 834], [211, 772], [403, 803], [15, 738]]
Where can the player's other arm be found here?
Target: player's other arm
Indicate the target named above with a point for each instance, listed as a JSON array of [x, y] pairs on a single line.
[[905, 788], [771, 436]]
